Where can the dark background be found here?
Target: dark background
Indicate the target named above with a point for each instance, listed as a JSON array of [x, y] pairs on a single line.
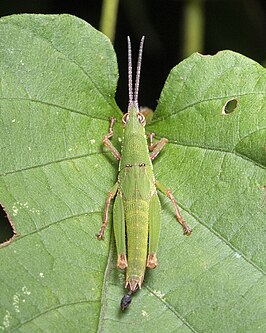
[[238, 25]]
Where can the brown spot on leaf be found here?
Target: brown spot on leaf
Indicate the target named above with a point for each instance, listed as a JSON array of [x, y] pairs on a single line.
[[263, 187]]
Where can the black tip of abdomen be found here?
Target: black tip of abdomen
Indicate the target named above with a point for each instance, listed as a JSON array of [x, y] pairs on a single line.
[[126, 300]]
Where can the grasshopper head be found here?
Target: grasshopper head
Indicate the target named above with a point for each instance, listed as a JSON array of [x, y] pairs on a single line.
[[134, 116]]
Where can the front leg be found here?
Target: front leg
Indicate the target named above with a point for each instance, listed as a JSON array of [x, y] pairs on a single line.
[[156, 147], [108, 143]]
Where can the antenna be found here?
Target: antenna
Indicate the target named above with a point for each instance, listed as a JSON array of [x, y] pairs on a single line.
[[136, 90], [130, 84], [134, 98]]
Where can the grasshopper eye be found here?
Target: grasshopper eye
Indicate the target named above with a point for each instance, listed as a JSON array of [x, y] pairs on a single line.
[[142, 165], [125, 118], [141, 118]]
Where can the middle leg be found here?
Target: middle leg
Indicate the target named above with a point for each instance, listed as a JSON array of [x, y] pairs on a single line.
[[169, 194]]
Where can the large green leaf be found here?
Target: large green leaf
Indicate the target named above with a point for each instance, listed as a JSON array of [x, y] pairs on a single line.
[[58, 80]]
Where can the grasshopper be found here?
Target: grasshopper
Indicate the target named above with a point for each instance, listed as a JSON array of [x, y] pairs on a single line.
[[136, 211]]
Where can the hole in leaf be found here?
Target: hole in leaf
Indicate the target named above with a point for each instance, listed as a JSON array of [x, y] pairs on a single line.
[[230, 106], [7, 228]]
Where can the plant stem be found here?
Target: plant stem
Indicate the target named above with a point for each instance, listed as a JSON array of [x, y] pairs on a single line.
[[108, 18], [193, 27]]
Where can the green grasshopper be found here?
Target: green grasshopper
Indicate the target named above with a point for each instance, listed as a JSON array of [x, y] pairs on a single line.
[[136, 212]]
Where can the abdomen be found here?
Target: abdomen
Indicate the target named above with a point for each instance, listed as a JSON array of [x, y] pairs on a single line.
[[136, 214]]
